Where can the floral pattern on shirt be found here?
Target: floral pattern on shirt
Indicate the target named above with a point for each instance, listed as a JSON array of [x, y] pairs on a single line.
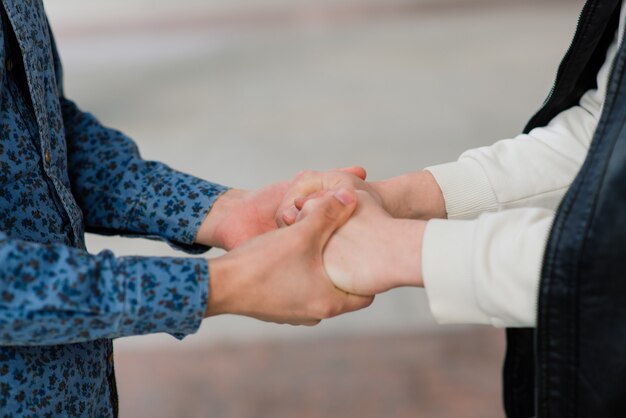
[[61, 173]]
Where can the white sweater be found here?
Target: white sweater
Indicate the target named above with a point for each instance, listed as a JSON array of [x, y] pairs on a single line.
[[483, 265]]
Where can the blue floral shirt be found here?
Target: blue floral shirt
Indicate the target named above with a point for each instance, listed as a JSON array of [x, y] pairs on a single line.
[[61, 173]]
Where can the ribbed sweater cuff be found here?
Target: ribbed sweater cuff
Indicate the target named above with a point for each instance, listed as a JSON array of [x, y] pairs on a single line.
[[466, 188], [447, 271]]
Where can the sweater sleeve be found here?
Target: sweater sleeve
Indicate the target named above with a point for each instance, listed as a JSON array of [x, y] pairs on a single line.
[[485, 268], [533, 169]]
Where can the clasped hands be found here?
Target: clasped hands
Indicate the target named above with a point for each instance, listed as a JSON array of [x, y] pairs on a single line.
[[314, 247], [373, 251]]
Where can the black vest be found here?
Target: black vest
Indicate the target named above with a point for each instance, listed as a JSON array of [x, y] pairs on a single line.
[[574, 363]]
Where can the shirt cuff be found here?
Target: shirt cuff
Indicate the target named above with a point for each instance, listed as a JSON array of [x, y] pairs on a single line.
[[163, 295], [447, 272], [172, 206], [466, 189]]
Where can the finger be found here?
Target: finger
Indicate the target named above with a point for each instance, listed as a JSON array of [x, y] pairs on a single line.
[[325, 215], [305, 183], [299, 202], [311, 205], [355, 170], [290, 215]]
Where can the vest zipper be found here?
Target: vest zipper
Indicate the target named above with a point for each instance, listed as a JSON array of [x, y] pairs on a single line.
[[568, 53]]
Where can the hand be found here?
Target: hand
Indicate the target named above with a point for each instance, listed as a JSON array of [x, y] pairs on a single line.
[[311, 184], [279, 277], [374, 252], [240, 215]]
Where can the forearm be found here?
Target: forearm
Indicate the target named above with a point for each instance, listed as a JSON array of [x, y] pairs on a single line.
[[414, 195], [52, 294], [403, 252]]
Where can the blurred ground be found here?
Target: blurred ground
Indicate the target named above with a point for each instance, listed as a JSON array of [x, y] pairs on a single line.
[[406, 375], [247, 92]]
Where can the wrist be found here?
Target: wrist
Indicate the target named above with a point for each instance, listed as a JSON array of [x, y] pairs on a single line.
[[210, 233], [215, 303], [414, 195], [222, 286], [405, 248]]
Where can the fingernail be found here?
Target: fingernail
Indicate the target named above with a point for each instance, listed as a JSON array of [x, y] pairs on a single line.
[[344, 196], [290, 215]]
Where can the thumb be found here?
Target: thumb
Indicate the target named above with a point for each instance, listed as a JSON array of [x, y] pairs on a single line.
[[323, 216], [355, 170]]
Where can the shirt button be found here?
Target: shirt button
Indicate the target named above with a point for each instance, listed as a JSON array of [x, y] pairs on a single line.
[[9, 64], [47, 157]]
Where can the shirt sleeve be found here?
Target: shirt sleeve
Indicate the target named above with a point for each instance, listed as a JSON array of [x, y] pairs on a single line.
[[533, 169], [120, 193], [53, 294]]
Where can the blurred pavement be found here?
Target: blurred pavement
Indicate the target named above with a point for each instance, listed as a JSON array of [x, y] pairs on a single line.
[[405, 376], [247, 92]]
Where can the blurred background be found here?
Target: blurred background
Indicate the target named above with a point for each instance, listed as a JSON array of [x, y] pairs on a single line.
[[248, 92]]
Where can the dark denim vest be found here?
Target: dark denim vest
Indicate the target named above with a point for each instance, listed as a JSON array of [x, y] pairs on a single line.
[[574, 363]]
